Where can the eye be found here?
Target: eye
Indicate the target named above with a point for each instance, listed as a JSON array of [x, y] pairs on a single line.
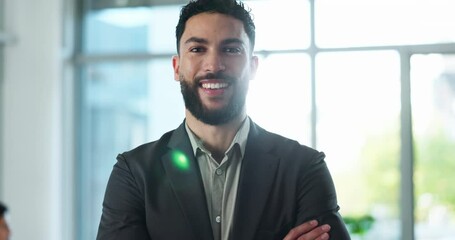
[[196, 49], [233, 50]]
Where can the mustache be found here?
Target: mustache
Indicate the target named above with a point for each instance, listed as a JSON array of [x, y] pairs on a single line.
[[218, 75]]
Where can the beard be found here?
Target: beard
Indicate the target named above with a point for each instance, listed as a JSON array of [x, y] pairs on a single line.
[[213, 117]]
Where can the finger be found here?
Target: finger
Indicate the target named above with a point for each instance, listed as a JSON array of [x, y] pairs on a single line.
[[301, 229], [324, 236], [319, 233]]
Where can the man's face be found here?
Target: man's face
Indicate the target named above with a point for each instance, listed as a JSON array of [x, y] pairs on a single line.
[[4, 230], [214, 67]]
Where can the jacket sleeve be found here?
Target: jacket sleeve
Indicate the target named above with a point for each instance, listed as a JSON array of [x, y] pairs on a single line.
[[123, 216], [317, 198]]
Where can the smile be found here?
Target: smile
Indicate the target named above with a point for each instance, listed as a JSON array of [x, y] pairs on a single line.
[[214, 85]]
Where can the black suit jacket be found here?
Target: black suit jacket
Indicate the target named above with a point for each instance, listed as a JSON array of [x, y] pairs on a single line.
[[282, 184]]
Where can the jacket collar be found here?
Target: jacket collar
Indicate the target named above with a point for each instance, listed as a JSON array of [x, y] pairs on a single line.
[[185, 178]]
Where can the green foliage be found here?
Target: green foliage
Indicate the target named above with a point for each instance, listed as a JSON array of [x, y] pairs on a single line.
[[433, 174], [434, 168], [359, 225], [381, 154], [377, 179]]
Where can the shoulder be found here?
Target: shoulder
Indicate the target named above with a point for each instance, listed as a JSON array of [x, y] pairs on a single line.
[[284, 147], [148, 152], [277, 143]]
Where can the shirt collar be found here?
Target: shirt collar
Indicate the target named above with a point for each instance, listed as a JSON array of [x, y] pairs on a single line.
[[240, 138]]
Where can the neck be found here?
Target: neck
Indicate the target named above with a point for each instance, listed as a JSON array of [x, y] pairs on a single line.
[[216, 138]]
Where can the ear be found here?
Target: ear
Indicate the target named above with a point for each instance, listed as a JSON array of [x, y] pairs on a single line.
[[253, 67], [176, 66]]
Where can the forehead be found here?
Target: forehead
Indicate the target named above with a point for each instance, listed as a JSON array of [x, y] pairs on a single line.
[[214, 26]]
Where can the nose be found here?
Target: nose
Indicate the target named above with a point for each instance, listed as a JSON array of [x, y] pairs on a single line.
[[214, 62]]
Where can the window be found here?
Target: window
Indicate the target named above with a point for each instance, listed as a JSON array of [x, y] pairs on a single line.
[[124, 97], [352, 23], [283, 87], [433, 108], [339, 76], [2, 41]]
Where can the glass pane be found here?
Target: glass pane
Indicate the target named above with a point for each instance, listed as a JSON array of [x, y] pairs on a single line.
[[102, 4], [384, 22], [122, 106], [140, 29], [433, 110], [283, 24], [130, 30], [280, 96], [358, 101]]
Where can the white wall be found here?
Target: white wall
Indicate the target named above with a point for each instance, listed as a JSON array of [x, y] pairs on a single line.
[[31, 125]]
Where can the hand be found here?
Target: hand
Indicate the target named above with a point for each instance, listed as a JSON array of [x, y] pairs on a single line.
[[309, 231]]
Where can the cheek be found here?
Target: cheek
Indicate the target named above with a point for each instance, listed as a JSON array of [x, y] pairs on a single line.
[[241, 67], [188, 68]]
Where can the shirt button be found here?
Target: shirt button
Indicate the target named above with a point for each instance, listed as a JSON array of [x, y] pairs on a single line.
[[218, 219], [219, 171]]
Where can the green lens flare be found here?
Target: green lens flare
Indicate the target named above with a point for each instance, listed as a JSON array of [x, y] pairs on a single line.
[[180, 160]]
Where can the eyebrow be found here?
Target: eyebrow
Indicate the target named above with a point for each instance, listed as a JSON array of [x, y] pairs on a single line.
[[196, 40], [204, 41], [232, 40]]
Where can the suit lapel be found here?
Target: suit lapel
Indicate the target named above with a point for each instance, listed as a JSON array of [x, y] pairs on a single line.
[[183, 171], [256, 179]]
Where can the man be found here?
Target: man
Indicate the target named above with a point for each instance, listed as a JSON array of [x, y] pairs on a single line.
[[4, 229], [219, 175]]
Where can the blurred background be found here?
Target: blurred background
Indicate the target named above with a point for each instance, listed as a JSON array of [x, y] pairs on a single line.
[[369, 82]]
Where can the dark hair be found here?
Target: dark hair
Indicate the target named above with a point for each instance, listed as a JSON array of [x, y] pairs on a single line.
[[232, 8], [3, 209]]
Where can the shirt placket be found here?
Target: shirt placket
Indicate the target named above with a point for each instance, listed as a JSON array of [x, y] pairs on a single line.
[[219, 177]]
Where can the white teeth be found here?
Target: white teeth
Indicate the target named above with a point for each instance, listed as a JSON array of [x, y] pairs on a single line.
[[214, 85]]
